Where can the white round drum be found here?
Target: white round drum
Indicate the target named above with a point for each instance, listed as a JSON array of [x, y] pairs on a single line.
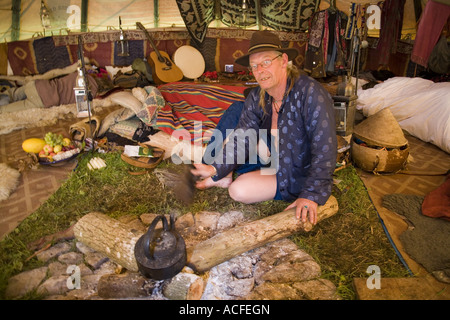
[[190, 61]]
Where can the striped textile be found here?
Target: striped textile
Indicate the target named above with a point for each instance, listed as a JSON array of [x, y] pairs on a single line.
[[196, 108]]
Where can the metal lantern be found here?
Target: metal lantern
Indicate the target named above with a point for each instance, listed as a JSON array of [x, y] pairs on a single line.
[[81, 96]]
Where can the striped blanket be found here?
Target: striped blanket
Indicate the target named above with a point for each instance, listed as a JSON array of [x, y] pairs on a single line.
[[195, 108]]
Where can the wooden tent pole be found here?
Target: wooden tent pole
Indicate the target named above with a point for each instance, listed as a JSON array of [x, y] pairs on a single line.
[[84, 13], [15, 25], [258, 14], [156, 13]]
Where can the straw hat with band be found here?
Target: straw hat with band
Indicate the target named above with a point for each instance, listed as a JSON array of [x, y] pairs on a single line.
[[265, 41]]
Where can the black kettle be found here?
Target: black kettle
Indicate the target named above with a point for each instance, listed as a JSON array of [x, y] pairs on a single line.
[[160, 254]]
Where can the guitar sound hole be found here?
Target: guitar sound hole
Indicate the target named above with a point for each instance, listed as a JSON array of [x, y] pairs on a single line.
[[166, 62]]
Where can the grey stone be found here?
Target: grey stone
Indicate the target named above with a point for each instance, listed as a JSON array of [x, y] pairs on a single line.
[[71, 258], [239, 288], [318, 289], [90, 282], [129, 284], [85, 270], [293, 272], [95, 259], [137, 225], [54, 285], [185, 221], [278, 270], [147, 219], [54, 251], [274, 291], [57, 268], [25, 282], [107, 267], [241, 266]]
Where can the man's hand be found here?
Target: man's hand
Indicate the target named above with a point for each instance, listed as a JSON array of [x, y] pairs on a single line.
[[203, 170], [304, 208]]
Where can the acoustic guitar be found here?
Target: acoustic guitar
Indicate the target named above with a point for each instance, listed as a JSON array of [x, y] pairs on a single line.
[[164, 70]]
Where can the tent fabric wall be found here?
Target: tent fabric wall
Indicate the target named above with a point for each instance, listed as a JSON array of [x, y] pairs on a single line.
[[221, 47], [104, 15], [26, 56]]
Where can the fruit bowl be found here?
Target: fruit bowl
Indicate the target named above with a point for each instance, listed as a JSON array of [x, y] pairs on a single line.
[[53, 162]]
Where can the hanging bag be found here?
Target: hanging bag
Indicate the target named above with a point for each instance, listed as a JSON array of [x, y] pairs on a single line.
[[130, 79]]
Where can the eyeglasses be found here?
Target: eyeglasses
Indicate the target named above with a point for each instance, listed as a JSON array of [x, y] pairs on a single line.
[[265, 64]]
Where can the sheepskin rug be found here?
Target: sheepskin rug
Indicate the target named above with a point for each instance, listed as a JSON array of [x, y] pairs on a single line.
[[9, 180], [38, 117]]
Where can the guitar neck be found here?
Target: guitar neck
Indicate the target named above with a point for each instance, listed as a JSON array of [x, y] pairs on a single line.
[[140, 26]]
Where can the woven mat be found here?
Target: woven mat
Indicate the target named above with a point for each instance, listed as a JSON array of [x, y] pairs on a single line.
[[35, 186], [427, 240], [424, 286], [425, 158]]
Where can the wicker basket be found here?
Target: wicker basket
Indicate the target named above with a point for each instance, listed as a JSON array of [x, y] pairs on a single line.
[[378, 144]]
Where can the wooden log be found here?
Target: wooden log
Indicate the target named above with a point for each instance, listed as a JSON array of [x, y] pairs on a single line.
[[251, 235], [114, 239], [110, 237], [184, 286], [126, 285]]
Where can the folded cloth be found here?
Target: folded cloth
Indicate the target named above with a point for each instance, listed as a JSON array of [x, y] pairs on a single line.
[[436, 204]]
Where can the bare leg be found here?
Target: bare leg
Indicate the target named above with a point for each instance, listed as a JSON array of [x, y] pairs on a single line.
[[208, 182], [254, 186]]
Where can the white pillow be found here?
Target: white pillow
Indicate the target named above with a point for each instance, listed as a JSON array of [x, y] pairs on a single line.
[[127, 100]]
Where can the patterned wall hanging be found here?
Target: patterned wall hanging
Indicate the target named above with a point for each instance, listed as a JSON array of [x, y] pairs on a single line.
[[281, 15]]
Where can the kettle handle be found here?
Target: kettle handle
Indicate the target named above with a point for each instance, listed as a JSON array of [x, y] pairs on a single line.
[[148, 237]]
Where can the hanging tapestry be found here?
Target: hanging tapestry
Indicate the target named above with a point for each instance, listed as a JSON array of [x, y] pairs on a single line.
[[48, 56], [233, 14], [281, 15], [36, 56], [288, 15], [196, 14]]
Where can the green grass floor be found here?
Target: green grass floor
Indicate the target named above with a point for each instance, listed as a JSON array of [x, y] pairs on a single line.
[[345, 245]]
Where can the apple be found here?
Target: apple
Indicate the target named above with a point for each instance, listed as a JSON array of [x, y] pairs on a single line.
[[57, 148], [47, 148], [66, 142], [42, 153]]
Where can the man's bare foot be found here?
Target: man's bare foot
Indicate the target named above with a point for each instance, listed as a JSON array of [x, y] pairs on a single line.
[[209, 182]]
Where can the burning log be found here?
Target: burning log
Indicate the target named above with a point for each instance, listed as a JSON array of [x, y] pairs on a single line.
[[184, 286], [251, 235], [117, 241]]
